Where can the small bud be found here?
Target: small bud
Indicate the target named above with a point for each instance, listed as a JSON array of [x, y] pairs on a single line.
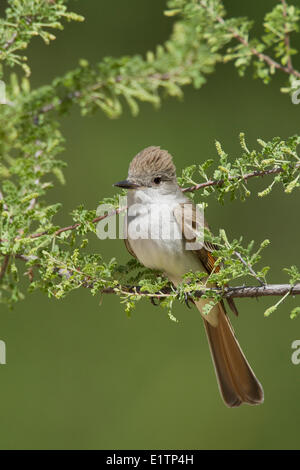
[[270, 310], [173, 12]]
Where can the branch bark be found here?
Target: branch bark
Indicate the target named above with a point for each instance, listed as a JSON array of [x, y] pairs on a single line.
[[266, 290], [272, 171], [230, 292], [10, 41], [265, 58], [287, 38]]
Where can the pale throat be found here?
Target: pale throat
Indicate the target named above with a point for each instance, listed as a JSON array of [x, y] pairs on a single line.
[[170, 193]]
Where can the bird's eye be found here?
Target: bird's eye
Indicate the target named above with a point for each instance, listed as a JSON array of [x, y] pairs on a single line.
[[157, 180]]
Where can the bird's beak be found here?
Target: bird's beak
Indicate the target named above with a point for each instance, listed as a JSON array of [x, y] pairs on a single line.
[[126, 184]]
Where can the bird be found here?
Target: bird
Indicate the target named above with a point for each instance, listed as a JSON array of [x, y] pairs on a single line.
[[155, 236]]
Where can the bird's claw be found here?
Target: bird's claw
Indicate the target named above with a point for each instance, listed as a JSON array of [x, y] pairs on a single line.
[[187, 299], [152, 300]]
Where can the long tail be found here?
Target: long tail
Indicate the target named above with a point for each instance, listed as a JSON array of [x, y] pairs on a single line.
[[236, 379]]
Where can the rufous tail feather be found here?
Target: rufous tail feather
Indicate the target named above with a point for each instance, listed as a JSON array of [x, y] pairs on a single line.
[[237, 381]]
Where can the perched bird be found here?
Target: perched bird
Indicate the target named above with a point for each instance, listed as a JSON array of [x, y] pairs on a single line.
[[157, 238]]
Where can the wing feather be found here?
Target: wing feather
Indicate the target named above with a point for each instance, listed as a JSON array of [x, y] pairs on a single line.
[[192, 231]]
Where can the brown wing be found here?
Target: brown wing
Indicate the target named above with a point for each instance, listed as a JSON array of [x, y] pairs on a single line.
[[192, 229], [186, 216]]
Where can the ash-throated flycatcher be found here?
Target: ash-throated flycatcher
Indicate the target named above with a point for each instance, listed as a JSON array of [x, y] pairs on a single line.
[[153, 192]]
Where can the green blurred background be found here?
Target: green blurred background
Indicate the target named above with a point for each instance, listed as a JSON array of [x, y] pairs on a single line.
[[82, 376]]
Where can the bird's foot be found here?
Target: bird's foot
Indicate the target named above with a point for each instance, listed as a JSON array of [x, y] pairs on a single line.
[[154, 301], [188, 299]]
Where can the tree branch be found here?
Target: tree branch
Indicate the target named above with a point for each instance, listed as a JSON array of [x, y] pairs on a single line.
[[4, 266], [173, 74], [239, 256], [266, 290], [272, 171], [229, 292], [10, 41], [101, 84], [75, 226], [265, 58], [287, 38]]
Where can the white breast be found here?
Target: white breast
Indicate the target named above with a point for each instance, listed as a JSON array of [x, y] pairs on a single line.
[[159, 251], [156, 237]]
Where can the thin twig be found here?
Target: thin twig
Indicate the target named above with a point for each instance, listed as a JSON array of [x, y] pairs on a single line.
[[97, 86], [263, 57], [33, 201], [248, 266], [229, 292], [4, 266], [10, 41], [287, 38], [272, 171], [266, 290], [168, 76], [78, 224]]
